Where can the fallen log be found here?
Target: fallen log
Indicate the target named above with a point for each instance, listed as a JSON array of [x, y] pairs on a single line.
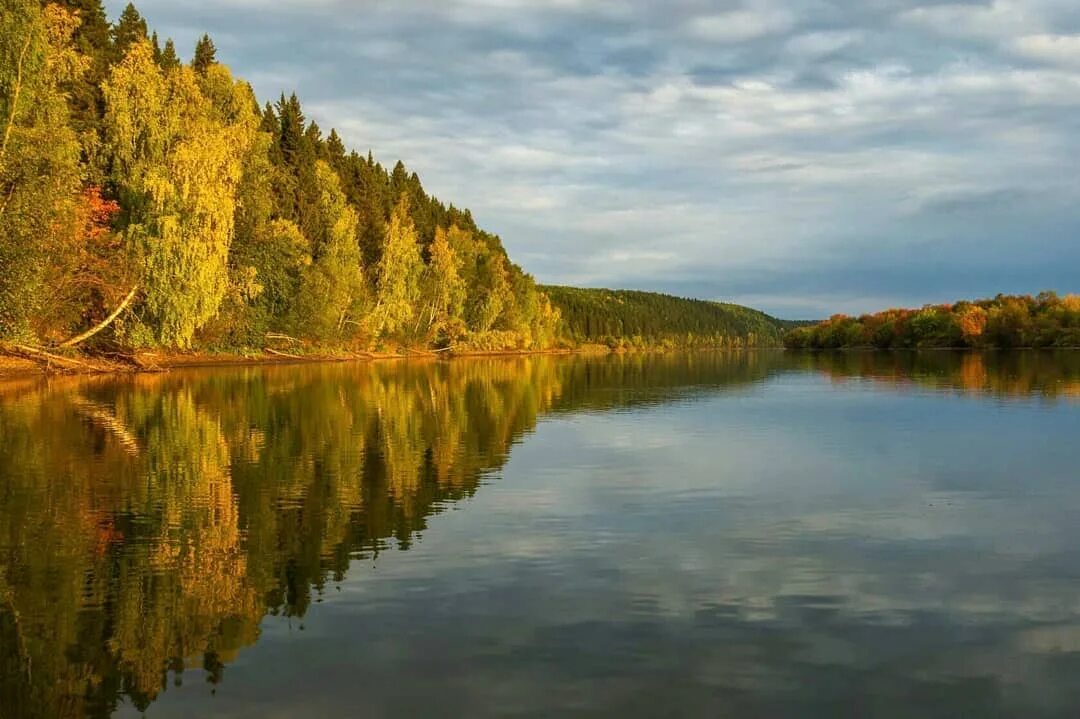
[[283, 354], [279, 336], [104, 323], [44, 357]]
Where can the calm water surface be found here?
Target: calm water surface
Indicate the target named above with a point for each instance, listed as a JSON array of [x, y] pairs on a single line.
[[743, 535]]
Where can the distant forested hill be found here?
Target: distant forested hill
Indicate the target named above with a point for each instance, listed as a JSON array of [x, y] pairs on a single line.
[[633, 318]]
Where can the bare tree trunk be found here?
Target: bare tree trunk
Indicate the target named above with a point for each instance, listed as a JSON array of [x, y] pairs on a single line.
[[104, 323]]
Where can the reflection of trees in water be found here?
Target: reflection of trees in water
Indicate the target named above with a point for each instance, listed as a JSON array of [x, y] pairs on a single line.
[[148, 523], [1048, 374]]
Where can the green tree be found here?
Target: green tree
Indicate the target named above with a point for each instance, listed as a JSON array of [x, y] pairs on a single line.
[[205, 55], [332, 287], [93, 40], [169, 59], [39, 171], [128, 30], [494, 293]]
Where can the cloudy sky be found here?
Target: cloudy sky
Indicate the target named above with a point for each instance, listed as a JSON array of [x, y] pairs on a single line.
[[801, 156]]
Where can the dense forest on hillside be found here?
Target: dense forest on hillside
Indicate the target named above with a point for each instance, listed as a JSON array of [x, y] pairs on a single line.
[[147, 202], [628, 318], [1006, 321]]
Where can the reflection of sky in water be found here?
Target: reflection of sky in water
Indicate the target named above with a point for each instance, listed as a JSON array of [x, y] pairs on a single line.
[[798, 548]]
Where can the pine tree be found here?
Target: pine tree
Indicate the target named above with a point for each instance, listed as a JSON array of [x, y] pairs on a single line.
[[93, 41], [205, 55], [128, 30], [335, 151], [169, 59]]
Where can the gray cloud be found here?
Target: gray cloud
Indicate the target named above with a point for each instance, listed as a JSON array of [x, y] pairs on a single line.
[[809, 155]]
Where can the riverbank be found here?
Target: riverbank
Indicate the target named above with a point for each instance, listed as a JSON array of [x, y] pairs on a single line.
[[14, 363], [49, 363]]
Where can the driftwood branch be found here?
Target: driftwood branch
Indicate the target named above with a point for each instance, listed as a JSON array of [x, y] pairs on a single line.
[[282, 354], [46, 358], [104, 323]]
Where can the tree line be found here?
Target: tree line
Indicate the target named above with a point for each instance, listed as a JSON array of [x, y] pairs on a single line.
[[150, 202], [634, 319], [1004, 322]]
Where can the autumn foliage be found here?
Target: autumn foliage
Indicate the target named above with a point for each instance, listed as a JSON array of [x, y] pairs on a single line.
[[1006, 321], [161, 202]]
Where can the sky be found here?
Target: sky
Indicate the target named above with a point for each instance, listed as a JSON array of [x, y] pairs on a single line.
[[804, 157]]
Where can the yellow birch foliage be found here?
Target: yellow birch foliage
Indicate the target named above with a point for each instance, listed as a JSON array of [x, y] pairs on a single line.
[[398, 278], [39, 173], [178, 158]]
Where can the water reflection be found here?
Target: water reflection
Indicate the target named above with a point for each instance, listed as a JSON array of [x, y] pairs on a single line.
[[1048, 374], [149, 524]]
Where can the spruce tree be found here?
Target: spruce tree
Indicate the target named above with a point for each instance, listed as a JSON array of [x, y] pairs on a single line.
[[205, 55], [335, 151], [93, 40], [128, 30], [169, 60]]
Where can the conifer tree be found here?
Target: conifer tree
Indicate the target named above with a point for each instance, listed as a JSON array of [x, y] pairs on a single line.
[[92, 39], [169, 59], [335, 151], [205, 55], [128, 30]]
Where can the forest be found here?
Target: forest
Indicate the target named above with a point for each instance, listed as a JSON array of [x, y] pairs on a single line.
[[1004, 322], [148, 202], [633, 319]]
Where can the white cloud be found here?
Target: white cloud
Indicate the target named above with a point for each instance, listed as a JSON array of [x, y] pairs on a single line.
[[1059, 49], [740, 25], [614, 142]]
